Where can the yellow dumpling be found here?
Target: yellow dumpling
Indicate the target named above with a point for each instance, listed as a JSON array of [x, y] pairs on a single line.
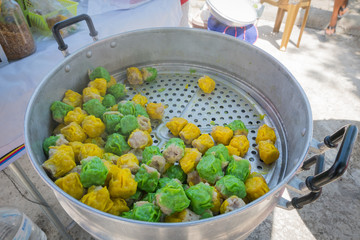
[[203, 143], [73, 132], [60, 162], [155, 111], [256, 186], [58, 128], [144, 123], [114, 108], [98, 197], [217, 200], [185, 215], [222, 135], [77, 115], [190, 160], [97, 141], [140, 99], [111, 83], [268, 152], [76, 146], [119, 206], [233, 151], [189, 133], [93, 126], [206, 84], [122, 185], [134, 76], [265, 133], [129, 161], [73, 98], [231, 204], [241, 143], [176, 125], [139, 139], [91, 93], [113, 171], [71, 185], [100, 84], [90, 150]]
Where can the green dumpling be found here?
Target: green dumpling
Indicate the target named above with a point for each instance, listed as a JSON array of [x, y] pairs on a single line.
[[174, 150], [239, 168], [59, 111], [134, 198], [100, 72], [128, 214], [110, 157], [144, 211], [163, 181], [108, 101], [48, 142], [94, 107], [149, 152], [231, 185], [147, 178], [149, 197], [126, 108], [209, 168], [140, 110], [172, 198], [128, 124], [149, 74], [93, 172], [153, 158], [238, 127], [116, 144], [221, 153], [206, 214], [201, 197], [175, 171], [118, 91], [111, 120]]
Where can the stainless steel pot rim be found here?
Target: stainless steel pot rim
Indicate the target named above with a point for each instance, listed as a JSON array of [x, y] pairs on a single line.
[[51, 184]]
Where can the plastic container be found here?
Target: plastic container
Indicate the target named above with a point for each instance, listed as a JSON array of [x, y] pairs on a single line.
[[16, 225], [15, 36], [233, 13]]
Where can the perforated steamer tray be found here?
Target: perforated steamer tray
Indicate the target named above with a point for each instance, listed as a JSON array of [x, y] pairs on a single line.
[[176, 87]]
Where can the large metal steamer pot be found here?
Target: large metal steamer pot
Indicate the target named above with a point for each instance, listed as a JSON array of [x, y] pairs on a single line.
[[270, 84]]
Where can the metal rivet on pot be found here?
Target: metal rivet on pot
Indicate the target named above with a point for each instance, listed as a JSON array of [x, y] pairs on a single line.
[[303, 132], [113, 44], [67, 68], [89, 54]]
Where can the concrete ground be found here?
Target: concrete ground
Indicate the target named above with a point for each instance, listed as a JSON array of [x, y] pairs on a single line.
[[328, 71]]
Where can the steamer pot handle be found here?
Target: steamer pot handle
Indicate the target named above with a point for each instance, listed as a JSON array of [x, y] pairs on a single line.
[[347, 135], [60, 25]]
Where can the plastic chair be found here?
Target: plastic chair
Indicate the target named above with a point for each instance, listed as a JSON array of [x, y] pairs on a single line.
[[292, 8]]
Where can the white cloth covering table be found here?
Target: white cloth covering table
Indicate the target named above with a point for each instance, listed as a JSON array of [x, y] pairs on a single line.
[[19, 79]]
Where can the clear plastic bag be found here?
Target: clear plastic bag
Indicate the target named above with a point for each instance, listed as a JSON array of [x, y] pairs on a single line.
[[45, 13]]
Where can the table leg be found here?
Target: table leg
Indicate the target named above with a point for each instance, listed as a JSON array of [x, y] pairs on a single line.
[[21, 175]]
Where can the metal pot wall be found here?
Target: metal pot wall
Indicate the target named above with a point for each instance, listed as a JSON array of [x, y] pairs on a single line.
[[258, 74]]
